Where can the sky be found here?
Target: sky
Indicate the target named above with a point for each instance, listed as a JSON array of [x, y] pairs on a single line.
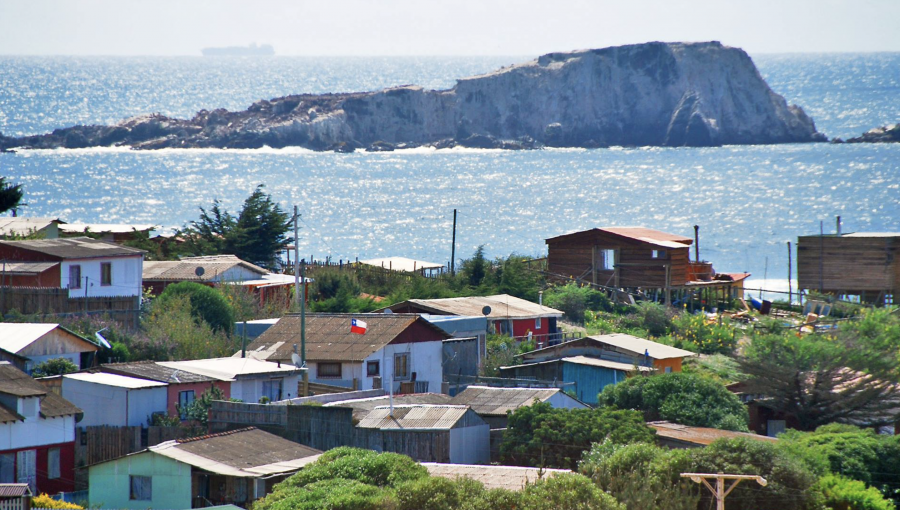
[[431, 27]]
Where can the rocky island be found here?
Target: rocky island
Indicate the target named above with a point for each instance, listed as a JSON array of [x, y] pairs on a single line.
[[884, 134], [653, 94]]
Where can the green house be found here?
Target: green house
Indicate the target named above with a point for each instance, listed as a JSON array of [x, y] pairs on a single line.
[[234, 467]]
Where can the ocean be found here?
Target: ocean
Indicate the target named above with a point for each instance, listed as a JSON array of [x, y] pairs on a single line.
[[749, 201]]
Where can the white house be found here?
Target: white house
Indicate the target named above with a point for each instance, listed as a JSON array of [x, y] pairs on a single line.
[[41, 342], [115, 400], [37, 428], [492, 404], [87, 267], [250, 379], [403, 348]]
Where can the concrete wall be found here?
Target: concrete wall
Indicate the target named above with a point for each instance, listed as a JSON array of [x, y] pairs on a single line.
[[425, 359], [112, 405], [126, 277], [110, 485], [250, 389]]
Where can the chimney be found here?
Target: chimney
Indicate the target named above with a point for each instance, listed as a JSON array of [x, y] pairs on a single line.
[[838, 222], [696, 243]]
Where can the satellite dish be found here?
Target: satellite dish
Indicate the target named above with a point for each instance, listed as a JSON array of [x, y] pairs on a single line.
[[102, 340], [388, 311], [486, 311], [199, 271], [296, 359]]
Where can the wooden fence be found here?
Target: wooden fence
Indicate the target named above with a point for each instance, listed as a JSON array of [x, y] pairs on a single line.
[[56, 301]]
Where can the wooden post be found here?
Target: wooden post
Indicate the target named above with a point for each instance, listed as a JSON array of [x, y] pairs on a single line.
[[790, 291], [594, 264], [453, 247], [720, 492], [668, 297]]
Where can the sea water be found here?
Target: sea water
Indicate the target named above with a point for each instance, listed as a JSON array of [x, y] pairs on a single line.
[[749, 201]]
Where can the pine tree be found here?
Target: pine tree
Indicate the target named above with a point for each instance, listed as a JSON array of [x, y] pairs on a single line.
[[10, 195]]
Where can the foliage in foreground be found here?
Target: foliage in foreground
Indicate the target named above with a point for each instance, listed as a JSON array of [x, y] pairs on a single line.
[[539, 435], [355, 479], [206, 304], [55, 366], [45, 501], [683, 398], [175, 333]]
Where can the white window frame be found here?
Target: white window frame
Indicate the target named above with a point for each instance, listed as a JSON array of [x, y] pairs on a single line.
[[103, 267]]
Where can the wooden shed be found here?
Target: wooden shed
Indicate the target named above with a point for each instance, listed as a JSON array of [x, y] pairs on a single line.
[[858, 264]]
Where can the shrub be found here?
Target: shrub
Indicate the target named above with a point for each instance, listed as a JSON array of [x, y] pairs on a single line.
[[55, 366], [695, 333], [433, 493], [574, 301], [207, 304], [45, 501], [567, 492], [845, 494], [539, 435], [366, 466], [174, 333], [338, 493], [683, 398]]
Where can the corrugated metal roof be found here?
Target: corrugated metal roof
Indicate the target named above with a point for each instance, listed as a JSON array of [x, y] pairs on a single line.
[[872, 234], [641, 345], [512, 478], [75, 248], [227, 369], [17, 336], [362, 406], [502, 305], [186, 268], [119, 381], [244, 453], [26, 268], [401, 264], [414, 417], [24, 226], [487, 401], [699, 435], [584, 360], [642, 234], [14, 490], [153, 371], [328, 336], [104, 228]]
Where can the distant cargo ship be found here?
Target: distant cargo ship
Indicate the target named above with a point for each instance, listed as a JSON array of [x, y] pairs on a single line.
[[265, 50]]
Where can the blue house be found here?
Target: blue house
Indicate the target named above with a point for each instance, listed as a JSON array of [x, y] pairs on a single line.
[[590, 375]]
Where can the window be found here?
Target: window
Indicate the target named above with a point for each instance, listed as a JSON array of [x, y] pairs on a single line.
[[185, 399], [659, 254], [74, 276], [775, 427], [141, 488], [401, 365], [373, 368], [29, 407], [608, 260], [106, 274], [53, 463], [272, 390], [8, 468], [668, 370], [328, 370], [240, 490], [537, 323]]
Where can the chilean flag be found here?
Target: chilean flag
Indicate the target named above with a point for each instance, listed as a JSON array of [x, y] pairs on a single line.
[[357, 326]]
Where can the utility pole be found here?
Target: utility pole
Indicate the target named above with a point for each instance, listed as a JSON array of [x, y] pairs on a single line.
[[790, 290], [296, 258], [453, 247], [303, 331], [720, 492]]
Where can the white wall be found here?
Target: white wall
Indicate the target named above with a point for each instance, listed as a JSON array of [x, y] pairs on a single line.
[[250, 390], [36, 431], [126, 276], [470, 445], [562, 401], [236, 274], [425, 359], [112, 405], [349, 371]]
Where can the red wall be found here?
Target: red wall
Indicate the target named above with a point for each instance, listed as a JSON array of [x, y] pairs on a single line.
[[522, 326], [49, 278], [66, 480], [199, 389]]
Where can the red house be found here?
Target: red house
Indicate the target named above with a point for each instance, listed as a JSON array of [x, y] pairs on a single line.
[[37, 434]]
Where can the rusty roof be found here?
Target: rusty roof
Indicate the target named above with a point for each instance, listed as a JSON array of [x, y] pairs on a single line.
[[502, 306], [362, 406], [511, 478], [417, 417], [74, 248], [328, 336], [488, 401], [699, 435], [153, 371], [186, 268], [642, 234], [19, 384]]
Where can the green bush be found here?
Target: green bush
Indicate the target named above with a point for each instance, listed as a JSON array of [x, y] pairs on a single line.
[[845, 494], [539, 435], [337, 493], [567, 492], [366, 466], [207, 304], [574, 301], [683, 398], [55, 366], [718, 367], [694, 333], [434, 493]]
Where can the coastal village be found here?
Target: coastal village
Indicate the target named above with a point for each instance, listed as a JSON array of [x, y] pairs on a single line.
[[218, 367]]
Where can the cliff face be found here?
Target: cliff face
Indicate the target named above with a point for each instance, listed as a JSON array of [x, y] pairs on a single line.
[[662, 94]]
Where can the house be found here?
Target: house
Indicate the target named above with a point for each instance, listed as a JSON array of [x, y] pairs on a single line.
[[114, 400], [37, 434], [249, 379], [405, 265], [363, 406], [618, 347], [236, 467], [637, 258], [44, 228], [863, 264], [588, 375], [505, 314], [208, 270], [465, 434], [86, 267], [674, 435], [109, 232], [493, 404], [15, 496], [29, 274], [467, 347], [37, 343], [401, 348], [182, 387], [511, 478]]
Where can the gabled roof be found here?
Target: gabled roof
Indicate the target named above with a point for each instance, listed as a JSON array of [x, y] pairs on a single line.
[[24, 226], [115, 380], [700, 436], [488, 401], [401, 264], [74, 248], [16, 336], [513, 478], [229, 369], [362, 406], [26, 268], [14, 490], [502, 306], [186, 268], [640, 346], [17, 383], [419, 417], [328, 336], [153, 371], [247, 453], [586, 361], [645, 235]]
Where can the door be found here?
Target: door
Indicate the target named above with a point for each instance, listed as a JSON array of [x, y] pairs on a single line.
[[26, 468]]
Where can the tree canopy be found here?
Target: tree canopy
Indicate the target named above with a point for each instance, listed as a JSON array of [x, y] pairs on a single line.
[[207, 304], [10, 195]]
